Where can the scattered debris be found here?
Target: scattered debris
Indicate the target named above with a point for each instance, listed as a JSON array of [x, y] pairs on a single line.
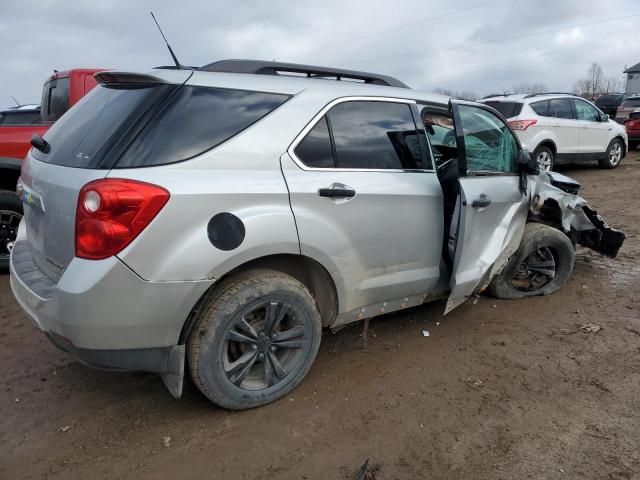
[[425, 333], [572, 356], [632, 330], [17, 400], [495, 306], [366, 471], [365, 330], [437, 323], [166, 441], [474, 383], [599, 385], [590, 328], [475, 300], [65, 429]]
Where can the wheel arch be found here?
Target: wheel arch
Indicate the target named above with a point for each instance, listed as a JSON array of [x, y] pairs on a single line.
[[624, 144], [547, 143], [306, 270]]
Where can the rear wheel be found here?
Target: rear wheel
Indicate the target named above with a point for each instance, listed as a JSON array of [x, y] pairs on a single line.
[[614, 154], [10, 216], [544, 157], [541, 266], [254, 339]]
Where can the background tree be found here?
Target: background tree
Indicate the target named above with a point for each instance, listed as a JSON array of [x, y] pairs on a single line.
[[460, 95], [529, 87]]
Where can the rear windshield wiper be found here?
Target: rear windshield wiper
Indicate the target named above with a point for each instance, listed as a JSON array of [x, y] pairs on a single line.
[[40, 143]]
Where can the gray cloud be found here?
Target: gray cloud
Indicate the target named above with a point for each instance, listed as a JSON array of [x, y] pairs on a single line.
[[462, 45]]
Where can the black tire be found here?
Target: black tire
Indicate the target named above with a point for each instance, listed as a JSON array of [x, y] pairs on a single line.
[[544, 155], [10, 215], [220, 341], [541, 247], [633, 145], [611, 159]]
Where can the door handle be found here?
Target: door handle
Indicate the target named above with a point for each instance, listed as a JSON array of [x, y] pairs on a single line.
[[481, 202], [337, 190]]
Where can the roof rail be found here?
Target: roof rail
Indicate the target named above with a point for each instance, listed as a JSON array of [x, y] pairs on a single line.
[[261, 67], [549, 93], [496, 95]]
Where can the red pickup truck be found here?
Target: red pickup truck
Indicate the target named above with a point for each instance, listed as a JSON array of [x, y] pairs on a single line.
[[60, 92]]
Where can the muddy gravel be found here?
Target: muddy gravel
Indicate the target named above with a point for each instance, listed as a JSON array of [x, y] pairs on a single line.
[[499, 390]]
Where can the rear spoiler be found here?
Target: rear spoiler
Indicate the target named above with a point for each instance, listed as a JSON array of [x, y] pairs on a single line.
[[131, 78]]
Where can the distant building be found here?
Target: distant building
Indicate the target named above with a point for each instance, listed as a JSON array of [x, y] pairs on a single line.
[[633, 79]]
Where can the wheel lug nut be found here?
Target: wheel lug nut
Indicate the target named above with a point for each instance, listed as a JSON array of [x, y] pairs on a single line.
[[261, 356], [274, 335], [254, 346], [272, 348]]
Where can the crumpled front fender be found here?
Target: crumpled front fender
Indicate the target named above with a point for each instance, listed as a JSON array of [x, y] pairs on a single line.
[[555, 200]]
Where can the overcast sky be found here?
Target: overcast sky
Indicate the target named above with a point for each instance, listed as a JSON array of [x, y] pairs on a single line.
[[476, 45]]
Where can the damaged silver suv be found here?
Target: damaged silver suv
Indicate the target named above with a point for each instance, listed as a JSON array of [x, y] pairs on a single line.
[[216, 219]]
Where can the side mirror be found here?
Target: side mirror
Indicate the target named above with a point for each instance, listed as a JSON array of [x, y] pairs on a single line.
[[603, 117], [527, 164]]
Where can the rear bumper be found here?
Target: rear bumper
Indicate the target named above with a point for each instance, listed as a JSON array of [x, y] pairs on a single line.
[[104, 314]]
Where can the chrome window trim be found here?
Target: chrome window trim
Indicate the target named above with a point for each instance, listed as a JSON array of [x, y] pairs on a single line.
[[323, 111]]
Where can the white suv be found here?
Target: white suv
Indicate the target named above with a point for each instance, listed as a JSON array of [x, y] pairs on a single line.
[[562, 128]]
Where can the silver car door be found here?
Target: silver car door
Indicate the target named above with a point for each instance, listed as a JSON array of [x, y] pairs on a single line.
[[492, 208], [364, 208]]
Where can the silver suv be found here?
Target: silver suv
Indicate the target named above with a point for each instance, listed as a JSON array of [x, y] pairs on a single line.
[[217, 219]]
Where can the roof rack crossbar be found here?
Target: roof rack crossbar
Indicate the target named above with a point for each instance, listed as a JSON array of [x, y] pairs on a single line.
[[261, 67]]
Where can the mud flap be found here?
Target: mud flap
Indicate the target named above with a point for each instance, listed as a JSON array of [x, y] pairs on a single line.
[[173, 378]]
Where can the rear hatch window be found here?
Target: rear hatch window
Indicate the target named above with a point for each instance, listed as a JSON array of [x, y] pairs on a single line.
[[507, 109], [608, 100], [118, 126]]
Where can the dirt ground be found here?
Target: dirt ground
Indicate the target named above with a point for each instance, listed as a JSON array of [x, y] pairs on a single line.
[[499, 390]]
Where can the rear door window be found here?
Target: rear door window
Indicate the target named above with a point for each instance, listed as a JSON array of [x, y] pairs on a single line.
[[506, 109], [375, 135], [541, 108], [631, 103], [561, 108]]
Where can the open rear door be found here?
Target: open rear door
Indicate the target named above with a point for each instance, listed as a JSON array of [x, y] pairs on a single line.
[[492, 207]]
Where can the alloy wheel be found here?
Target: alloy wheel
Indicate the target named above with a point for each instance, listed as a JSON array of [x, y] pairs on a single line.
[[544, 161], [535, 271], [263, 346], [615, 154]]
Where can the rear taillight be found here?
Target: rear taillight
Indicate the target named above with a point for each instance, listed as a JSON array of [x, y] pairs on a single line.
[[112, 212], [521, 124]]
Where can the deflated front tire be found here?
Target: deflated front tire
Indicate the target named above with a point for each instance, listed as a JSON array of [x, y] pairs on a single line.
[[541, 266]]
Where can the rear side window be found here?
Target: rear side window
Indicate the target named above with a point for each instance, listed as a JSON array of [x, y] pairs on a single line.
[[197, 119], [150, 124], [560, 108], [55, 99], [631, 103], [541, 108], [506, 109], [608, 100], [375, 135], [315, 150]]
